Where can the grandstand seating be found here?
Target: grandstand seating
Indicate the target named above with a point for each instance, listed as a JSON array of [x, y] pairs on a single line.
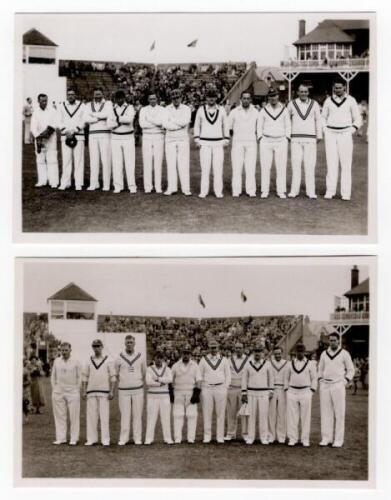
[[170, 334], [139, 79]]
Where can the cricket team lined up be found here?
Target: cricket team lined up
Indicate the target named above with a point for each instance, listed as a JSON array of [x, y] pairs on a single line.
[[166, 131], [272, 397]]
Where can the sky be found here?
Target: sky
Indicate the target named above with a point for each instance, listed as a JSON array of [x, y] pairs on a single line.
[[259, 37], [153, 288]]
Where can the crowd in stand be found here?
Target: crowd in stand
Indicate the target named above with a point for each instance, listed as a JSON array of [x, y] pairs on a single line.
[[168, 335], [137, 80]]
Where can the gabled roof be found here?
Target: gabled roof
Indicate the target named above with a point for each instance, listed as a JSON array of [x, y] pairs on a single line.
[[352, 24], [326, 32], [35, 37], [263, 72], [72, 292], [361, 289]]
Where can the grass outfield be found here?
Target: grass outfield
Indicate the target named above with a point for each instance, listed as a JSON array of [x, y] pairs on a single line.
[[233, 460], [48, 210]]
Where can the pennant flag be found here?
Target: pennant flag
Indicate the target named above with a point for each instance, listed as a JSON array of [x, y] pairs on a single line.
[[153, 45], [193, 43], [243, 296], [201, 301]]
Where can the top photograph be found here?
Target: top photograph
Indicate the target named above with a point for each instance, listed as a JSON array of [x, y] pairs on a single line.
[[213, 127]]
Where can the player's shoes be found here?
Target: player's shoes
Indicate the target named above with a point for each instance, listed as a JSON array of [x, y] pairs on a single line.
[[337, 445], [116, 191], [306, 444], [345, 198], [89, 443], [133, 190], [291, 195], [328, 196], [147, 442], [169, 442], [292, 443], [202, 195], [169, 193], [282, 195], [92, 188], [324, 443], [190, 441], [228, 438], [79, 188], [38, 185], [220, 441], [265, 442], [249, 441], [264, 195], [106, 188], [206, 441], [312, 196], [252, 195], [63, 188], [188, 194], [178, 441], [72, 443], [59, 442], [138, 443], [105, 443], [121, 443]]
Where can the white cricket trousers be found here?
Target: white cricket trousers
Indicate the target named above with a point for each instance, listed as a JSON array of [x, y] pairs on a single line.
[[234, 402], [98, 407], [64, 402], [123, 153], [303, 151], [131, 408], [211, 156], [332, 409], [158, 404], [277, 148], [339, 150], [182, 407], [178, 157], [298, 402], [277, 415], [100, 147], [153, 147], [47, 163], [243, 153], [214, 397], [76, 156], [258, 404]]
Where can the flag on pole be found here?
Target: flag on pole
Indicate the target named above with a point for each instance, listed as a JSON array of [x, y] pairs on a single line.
[[201, 301], [193, 43], [153, 46], [243, 296]]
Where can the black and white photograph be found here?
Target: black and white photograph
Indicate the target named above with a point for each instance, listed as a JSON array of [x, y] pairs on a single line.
[[253, 125], [196, 369]]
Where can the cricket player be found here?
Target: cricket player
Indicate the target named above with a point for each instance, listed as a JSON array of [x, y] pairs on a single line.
[[237, 363], [211, 135], [216, 378], [243, 128], [65, 381], [306, 123], [97, 113], [277, 406], [130, 370], [120, 122], [300, 383], [43, 128], [335, 373], [98, 382], [158, 399], [27, 113], [71, 123], [176, 119], [342, 119], [186, 378], [273, 133], [257, 390], [151, 122]]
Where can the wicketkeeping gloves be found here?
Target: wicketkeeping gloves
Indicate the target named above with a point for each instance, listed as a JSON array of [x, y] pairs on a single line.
[[195, 397]]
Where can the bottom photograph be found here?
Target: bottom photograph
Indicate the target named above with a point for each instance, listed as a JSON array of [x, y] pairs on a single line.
[[195, 369]]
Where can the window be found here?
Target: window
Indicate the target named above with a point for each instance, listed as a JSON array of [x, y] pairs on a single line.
[[57, 309]]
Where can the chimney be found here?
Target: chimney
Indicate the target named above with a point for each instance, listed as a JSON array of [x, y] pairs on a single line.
[[355, 276], [301, 28]]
